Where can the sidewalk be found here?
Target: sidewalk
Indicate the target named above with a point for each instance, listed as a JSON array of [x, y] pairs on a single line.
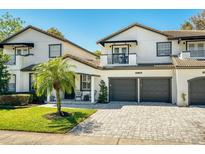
[[30, 138]]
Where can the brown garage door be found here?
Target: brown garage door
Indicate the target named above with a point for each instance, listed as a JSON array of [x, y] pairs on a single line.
[[197, 91], [123, 89], [155, 90]]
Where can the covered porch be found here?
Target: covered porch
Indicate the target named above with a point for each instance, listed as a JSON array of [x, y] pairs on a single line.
[[85, 92]]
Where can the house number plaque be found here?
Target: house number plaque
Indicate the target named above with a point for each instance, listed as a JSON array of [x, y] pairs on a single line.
[[138, 72]]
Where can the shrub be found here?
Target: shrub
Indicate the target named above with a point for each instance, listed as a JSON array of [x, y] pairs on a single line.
[[16, 99], [34, 98], [38, 99], [103, 93]]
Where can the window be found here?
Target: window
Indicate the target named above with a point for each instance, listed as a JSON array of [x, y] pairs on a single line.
[[31, 82], [121, 49], [12, 83], [196, 49], [124, 50], [22, 51], [85, 82], [191, 47], [119, 54], [164, 48], [54, 50], [200, 46], [116, 50]]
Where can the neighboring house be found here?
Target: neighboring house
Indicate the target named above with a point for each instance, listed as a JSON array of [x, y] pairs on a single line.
[[32, 46], [138, 64]]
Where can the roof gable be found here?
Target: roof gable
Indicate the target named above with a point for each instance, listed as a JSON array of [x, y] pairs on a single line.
[[46, 33], [129, 27]]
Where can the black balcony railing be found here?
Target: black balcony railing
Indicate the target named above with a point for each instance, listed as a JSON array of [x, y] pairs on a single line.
[[118, 58]]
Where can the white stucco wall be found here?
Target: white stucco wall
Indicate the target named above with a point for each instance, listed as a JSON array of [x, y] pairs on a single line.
[[106, 74], [182, 78], [146, 49], [41, 47]]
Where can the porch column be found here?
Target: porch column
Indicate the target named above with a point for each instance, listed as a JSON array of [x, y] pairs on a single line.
[[92, 89], [138, 90], [48, 96]]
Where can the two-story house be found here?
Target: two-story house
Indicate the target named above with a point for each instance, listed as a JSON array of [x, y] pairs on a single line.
[[138, 64], [32, 46], [143, 64]]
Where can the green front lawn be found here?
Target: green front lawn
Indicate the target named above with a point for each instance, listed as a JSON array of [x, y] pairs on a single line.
[[33, 119]]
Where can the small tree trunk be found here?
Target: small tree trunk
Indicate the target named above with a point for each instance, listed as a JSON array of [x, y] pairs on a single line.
[[58, 102]]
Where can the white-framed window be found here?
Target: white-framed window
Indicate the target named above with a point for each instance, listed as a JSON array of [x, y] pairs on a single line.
[[116, 50], [23, 51], [120, 50], [85, 82], [197, 49], [164, 48], [55, 50], [12, 83], [31, 82], [124, 50]]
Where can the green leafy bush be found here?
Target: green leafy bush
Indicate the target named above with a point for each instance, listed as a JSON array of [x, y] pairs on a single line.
[[103, 93], [38, 99], [34, 98], [16, 99]]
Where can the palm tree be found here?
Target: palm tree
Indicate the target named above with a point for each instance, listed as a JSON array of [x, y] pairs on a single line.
[[55, 74], [187, 26]]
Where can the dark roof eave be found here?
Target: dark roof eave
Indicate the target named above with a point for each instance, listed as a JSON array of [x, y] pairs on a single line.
[[29, 68], [81, 61], [120, 41], [139, 68], [19, 43], [187, 38], [190, 67]]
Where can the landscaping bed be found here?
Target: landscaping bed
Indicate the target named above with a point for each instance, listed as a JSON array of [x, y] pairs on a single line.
[[35, 119]]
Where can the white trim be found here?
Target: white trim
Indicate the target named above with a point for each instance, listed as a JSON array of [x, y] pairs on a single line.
[[138, 90], [92, 89]]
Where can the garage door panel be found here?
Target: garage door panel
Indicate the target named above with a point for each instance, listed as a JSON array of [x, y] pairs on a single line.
[[123, 89], [197, 92], [155, 90]]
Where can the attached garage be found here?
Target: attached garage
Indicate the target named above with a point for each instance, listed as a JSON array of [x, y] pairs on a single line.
[[197, 91], [123, 89], [151, 89], [155, 90]]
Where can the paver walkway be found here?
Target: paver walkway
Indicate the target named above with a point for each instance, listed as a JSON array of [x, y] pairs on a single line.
[[158, 122], [30, 138]]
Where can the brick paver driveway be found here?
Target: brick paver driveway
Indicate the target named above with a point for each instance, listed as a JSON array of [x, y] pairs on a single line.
[[158, 122]]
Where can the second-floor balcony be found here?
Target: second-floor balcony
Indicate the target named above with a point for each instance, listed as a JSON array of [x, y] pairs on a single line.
[[195, 54], [118, 59]]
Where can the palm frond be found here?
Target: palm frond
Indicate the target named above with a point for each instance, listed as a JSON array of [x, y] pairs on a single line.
[[57, 70]]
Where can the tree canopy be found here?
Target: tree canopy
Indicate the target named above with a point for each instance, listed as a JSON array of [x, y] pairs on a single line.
[[4, 74], [98, 53], [55, 31], [9, 25], [187, 26], [196, 22]]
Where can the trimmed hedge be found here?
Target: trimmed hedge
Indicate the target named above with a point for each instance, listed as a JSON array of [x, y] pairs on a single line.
[[35, 99], [16, 99]]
